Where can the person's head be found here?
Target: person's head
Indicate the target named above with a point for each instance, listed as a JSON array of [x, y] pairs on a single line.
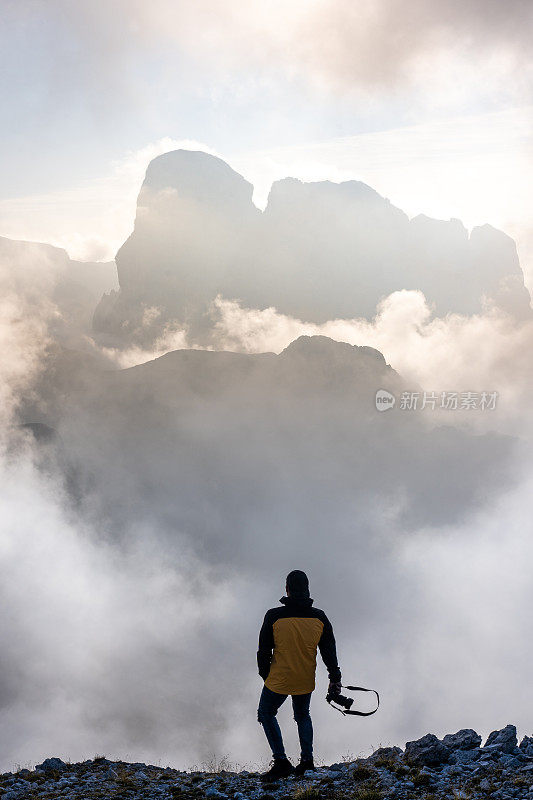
[[297, 585]]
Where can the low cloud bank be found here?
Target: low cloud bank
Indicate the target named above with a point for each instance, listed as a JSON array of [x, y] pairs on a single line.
[[140, 548]]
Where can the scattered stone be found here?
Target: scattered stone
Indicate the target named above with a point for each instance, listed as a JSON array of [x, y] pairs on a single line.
[[526, 745], [465, 739], [465, 756], [384, 753], [504, 741], [51, 764], [426, 751], [451, 769], [111, 774], [212, 791]]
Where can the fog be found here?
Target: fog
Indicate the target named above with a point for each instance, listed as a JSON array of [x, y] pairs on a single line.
[[144, 536], [377, 45]]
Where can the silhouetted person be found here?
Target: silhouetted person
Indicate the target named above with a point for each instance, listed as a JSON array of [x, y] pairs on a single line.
[[286, 659]]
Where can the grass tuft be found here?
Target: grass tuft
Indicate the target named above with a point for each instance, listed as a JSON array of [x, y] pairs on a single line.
[[306, 793], [421, 779], [368, 793], [216, 765], [361, 772]]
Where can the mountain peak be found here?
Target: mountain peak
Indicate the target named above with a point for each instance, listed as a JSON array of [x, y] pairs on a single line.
[[198, 175], [320, 251], [323, 346]]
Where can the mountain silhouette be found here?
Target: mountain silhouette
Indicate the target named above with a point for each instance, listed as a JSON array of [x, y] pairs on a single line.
[[43, 271], [197, 430], [319, 251]]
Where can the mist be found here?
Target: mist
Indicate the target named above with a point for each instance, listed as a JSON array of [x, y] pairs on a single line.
[[148, 526]]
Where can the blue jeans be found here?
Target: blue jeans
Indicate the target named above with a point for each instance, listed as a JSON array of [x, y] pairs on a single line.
[[269, 704]]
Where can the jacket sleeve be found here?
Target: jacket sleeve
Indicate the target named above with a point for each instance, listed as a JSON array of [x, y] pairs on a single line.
[[266, 646], [328, 651]]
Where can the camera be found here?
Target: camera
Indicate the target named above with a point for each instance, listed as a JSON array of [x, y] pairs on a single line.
[[340, 699]]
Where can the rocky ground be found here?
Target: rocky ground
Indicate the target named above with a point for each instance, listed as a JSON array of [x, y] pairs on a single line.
[[455, 767]]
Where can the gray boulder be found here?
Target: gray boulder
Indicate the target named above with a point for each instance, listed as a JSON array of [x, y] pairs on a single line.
[[50, 764], [111, 775], [465, 739], [385, 753], [526, 745], [426, 751], [504, 740], [465, 756]]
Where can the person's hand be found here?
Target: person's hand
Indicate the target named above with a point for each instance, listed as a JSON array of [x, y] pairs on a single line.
[[335, 687]]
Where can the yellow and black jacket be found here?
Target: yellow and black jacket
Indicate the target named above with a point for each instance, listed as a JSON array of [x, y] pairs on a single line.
[[288, 642]]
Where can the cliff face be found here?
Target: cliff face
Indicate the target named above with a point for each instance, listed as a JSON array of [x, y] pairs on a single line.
[[319, 251], [454, 767], [43, 273], [194, 231]]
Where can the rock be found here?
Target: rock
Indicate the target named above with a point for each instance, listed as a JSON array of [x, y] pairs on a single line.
[[50, 764], [504, 740], [111, 775], [213, 792], [465, 756], [427, 750], [386, 753], [429, 765], [465, 739], [486, 758], [344, 242], [23, 773], [526, 745]]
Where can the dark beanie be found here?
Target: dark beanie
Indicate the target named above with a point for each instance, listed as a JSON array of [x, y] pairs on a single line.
[[298, 584]]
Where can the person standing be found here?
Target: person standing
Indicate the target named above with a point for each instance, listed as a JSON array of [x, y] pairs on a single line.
[[286, 660]]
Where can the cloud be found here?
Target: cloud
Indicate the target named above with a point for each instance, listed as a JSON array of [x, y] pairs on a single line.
[[137, 560], [379, 42], [488, 351], [371, 45], [134, 610], [27, 279], [173, 337], [92, 628]]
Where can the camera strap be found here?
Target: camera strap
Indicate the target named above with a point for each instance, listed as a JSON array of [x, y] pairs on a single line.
[[357, 713]]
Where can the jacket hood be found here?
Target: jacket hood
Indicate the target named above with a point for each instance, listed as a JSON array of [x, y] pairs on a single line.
[[296, 601]]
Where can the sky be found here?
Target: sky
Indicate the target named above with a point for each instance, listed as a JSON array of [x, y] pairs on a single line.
[[429, 102]]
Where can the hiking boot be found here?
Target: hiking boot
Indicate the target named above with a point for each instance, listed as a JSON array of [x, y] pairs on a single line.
[[303, 766], [281, 768]]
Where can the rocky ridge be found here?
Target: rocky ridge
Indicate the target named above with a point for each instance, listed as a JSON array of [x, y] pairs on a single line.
[[455, 767], [319, 251]]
